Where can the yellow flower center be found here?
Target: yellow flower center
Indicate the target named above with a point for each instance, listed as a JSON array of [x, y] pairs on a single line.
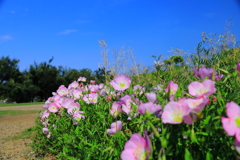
[[78, 118], [177, 116], [122, 85], [237, 121]]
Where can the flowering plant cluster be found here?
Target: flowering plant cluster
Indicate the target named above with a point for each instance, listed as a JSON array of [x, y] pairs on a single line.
[[86, 121]]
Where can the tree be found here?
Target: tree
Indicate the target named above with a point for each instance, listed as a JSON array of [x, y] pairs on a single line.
[[8, 69], [44, 76]]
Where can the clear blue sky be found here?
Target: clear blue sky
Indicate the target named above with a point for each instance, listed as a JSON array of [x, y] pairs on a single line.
[[36, 30]]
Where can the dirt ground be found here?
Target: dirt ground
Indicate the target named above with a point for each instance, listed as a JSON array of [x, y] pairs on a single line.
[[12, 126]]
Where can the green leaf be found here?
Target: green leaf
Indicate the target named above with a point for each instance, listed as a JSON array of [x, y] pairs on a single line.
[[202, 133], [187, 155], [208, 156]]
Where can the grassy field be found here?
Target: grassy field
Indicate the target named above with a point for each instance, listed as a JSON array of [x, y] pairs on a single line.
[[16, 112], [20, 104]]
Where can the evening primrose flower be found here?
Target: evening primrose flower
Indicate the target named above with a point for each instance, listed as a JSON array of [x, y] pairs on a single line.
[[62, 90], [137, 148], [231, 125], [73, 85], [206, 88], [45, 130], [78, 116], [152, 97], [150, 107], [238, 68], [53, 107], [49, 135], [67, 103], [115, 126], [90, 98], [121, 82], [73, 107], [116, 109], [175, 113], [139, 89], [172, 87], [206, 72], [92, 81], [76, 93], [45, 114], [127, 103], [82, 79], [196, 105]]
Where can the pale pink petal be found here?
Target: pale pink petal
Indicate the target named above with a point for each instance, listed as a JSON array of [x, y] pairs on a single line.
[[233, 110], [229, 126], [128, 154], [237, 135], [152, 97], [194, 88]]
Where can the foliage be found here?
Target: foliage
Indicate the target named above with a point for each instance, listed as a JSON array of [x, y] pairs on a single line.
[[87, 138]]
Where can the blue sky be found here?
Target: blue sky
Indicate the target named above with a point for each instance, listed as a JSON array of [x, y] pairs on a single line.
[[36, 30]]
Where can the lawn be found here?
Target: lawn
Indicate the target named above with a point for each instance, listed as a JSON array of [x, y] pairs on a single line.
[[20, 104]]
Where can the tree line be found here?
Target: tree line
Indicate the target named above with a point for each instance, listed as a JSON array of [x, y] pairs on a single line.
[[38, 81]]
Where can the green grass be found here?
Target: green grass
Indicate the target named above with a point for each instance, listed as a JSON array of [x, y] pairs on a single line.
[[17, 112], [20, 104]]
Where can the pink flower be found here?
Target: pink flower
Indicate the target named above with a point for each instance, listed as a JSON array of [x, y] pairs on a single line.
[[175, 113], [137, 148], [238, 68], [172, 87], [76, 93], [82, 79], [101, 85], [205, 88], [116, 109], [152, 97], [53, 107], [196, 105], [49, 100], [140, 89], [77, 116], [93, 88], [116, 126], [67, 103], [92, 81], [74, 107], [73, 85], [206, 72], [121, 82], [150, 107], [45, 130], [90, 98], [127, 103], [45, 114], [49, 135], [62, 90], [231, 125]]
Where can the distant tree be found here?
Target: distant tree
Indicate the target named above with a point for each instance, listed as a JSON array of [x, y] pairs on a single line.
[[45, 77], [9, 72], [20, 91], [9, 69]]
